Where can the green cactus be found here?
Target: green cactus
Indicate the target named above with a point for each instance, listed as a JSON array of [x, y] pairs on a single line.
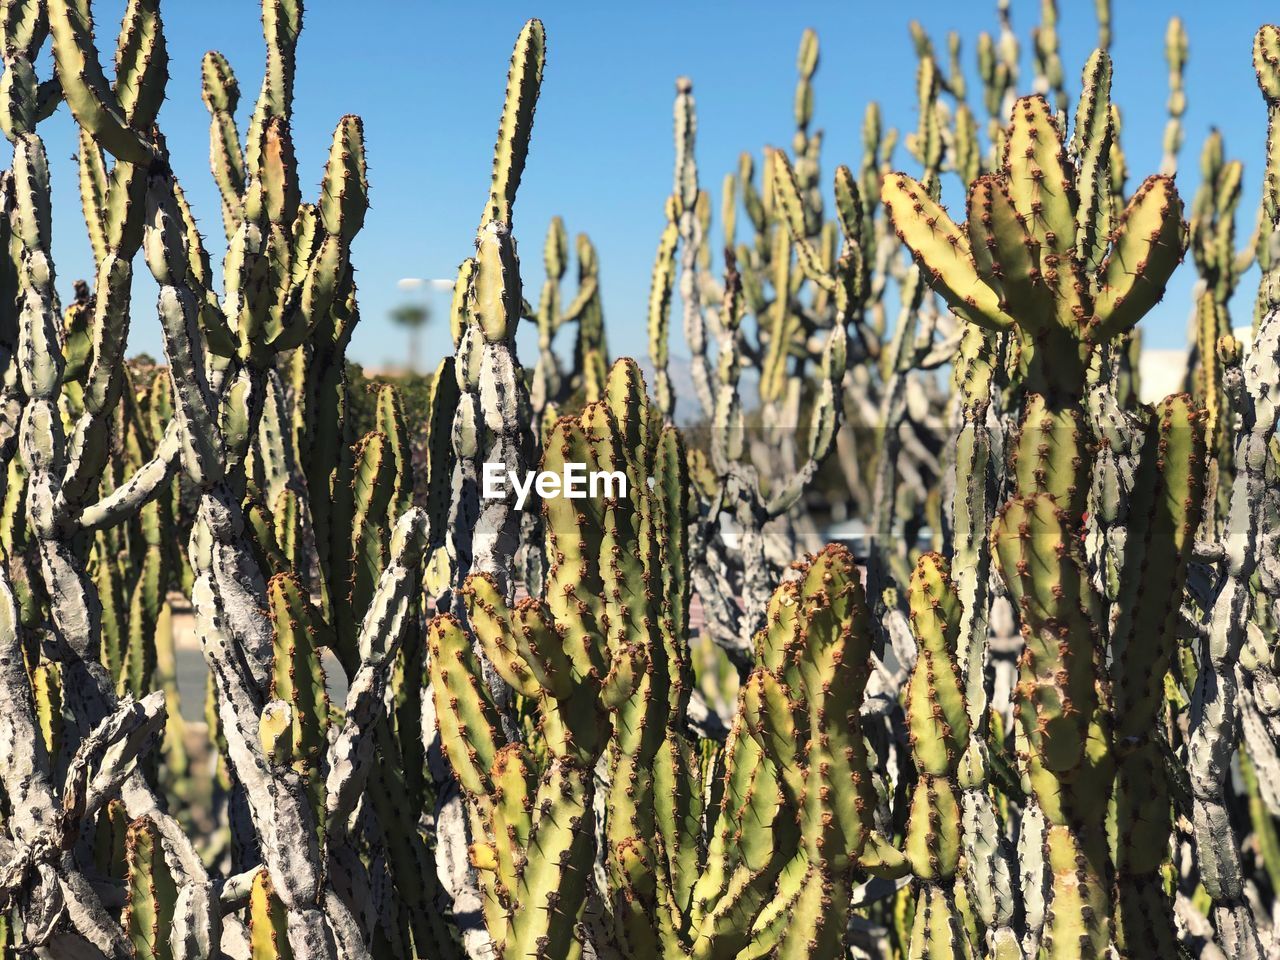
[[654, 733], [1069, 767], [268, 921], [297, 678], [938, 721], [152, 892], [813, 666], [583, 593], [1166, 505], [1175, 53], [624, 696], [1031, 262]]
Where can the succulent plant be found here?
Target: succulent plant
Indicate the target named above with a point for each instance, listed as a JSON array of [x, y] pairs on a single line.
[[1036, 717]]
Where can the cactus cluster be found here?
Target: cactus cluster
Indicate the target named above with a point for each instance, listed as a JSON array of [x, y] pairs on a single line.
[[1034, 712]]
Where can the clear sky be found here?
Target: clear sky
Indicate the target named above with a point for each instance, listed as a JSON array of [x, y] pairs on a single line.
[[428, 80]]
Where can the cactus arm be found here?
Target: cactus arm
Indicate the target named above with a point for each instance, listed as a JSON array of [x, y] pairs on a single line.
[[152, 893], [551, 890], [545, 654], [109, 330], [351, 753], [547, 378], [1091, 145], [1175, 52], [166, 252], [816, 918], [660, 289], [85, 86], [1165, 511], [144, 609], [218, 335], [142, 64], [344, 190], [588, 287], [774, 724], [782, 320], [678, 812], [105, 758], [1165, 507], [515, 778], [988, 867], [1042, 186], [492, 624], [470, 731], [574, 583], [1070, 769], [281, 24], [968, 158], [787, 191], [268, 921], [142, 487], [93, 193], [684, 201], [298, 679], [221, 96], [750, 846], [1151, 238], [391, 422], [362, 502], [892, 411], [851, 213], [1000, 240], [671, 483], [942, 250], [1266, 65], [537, 659], [23, 756], [926, 144], [524, 80], [443, 406], [939, 733]]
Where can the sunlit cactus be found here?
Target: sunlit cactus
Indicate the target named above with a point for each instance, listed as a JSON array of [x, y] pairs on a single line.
[[1032, 713]]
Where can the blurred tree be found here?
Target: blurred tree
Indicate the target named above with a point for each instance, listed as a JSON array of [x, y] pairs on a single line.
[[412, 316]]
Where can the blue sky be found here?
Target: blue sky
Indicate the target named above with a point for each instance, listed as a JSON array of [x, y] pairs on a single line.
[[428, 80]]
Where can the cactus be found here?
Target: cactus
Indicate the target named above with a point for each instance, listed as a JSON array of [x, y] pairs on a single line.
[[553, 386], [288, 280], [806, 283], [1002, 273], [1176, 55], [1166, 504], [939, 737], [268, 921], [623, 696], [152, 892], [635, 723]]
